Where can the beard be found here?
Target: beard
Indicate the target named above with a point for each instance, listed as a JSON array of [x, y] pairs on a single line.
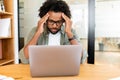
[[53, 30]]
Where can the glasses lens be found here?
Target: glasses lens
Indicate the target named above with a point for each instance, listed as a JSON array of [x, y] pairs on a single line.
[[58, 23]]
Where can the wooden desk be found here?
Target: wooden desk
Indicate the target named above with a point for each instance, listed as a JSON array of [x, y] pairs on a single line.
[[87, 72]]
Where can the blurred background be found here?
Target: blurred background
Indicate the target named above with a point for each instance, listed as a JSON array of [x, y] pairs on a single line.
[[107, 26]]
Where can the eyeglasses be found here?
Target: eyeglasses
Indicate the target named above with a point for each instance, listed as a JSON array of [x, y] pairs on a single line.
[[58, 23]]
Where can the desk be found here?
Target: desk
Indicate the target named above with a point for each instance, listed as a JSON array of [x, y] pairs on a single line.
[[87, 72]]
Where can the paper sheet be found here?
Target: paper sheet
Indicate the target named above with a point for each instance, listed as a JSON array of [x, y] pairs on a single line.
[[3, 77], [0, 49], [5, 30], [118, 78]]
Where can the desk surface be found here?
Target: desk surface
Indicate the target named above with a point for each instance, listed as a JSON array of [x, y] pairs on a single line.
[[87, 72]]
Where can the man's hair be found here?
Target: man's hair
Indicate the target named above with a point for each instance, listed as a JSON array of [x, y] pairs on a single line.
[[56, 6]]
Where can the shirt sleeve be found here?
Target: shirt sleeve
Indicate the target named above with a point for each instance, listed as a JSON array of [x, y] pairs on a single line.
[[84, 56], [21, 52], [75, 35], [30, 35], [84, 52]]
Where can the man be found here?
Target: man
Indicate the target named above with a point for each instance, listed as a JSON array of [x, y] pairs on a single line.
[[54, 27]]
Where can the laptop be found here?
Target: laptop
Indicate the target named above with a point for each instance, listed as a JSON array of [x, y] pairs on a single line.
[[61, 60]]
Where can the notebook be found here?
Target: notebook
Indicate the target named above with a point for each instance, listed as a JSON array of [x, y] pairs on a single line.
[[59, 60]]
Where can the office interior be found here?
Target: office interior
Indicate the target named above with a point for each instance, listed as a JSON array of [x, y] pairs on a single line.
[[107, 34], [95, 21]]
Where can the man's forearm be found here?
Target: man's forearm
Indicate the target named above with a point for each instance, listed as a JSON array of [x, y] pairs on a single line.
[[33, 41], [71, 38]]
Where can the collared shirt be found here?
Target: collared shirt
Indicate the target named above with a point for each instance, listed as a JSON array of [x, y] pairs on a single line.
[[43, 40]]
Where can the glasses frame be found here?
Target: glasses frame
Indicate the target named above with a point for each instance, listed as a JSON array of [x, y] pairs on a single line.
[[52, 22]]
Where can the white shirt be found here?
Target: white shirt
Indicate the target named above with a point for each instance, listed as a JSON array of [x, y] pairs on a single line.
[[54, 39]]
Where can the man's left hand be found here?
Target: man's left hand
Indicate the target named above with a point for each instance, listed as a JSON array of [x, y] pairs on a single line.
[[68, 25]]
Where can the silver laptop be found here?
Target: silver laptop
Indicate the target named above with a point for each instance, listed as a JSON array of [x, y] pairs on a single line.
[[54, 60]]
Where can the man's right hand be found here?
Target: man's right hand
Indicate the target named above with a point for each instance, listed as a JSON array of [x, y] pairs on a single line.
[[41, 23], [34, 39]]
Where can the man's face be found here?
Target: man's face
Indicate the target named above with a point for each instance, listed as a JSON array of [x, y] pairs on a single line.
[[54, 21]]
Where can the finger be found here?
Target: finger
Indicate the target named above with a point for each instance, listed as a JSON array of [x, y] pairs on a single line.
[[64, 16], [46, 16]]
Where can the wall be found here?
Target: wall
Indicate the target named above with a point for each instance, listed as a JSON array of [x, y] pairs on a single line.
[[107, 19], [30, 16]]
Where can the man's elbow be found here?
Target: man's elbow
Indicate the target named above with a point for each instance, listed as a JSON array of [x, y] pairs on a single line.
[[26, 53]]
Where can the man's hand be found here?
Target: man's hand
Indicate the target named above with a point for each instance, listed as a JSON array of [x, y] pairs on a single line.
[[68, 25], [34, 39], [41, 23]]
